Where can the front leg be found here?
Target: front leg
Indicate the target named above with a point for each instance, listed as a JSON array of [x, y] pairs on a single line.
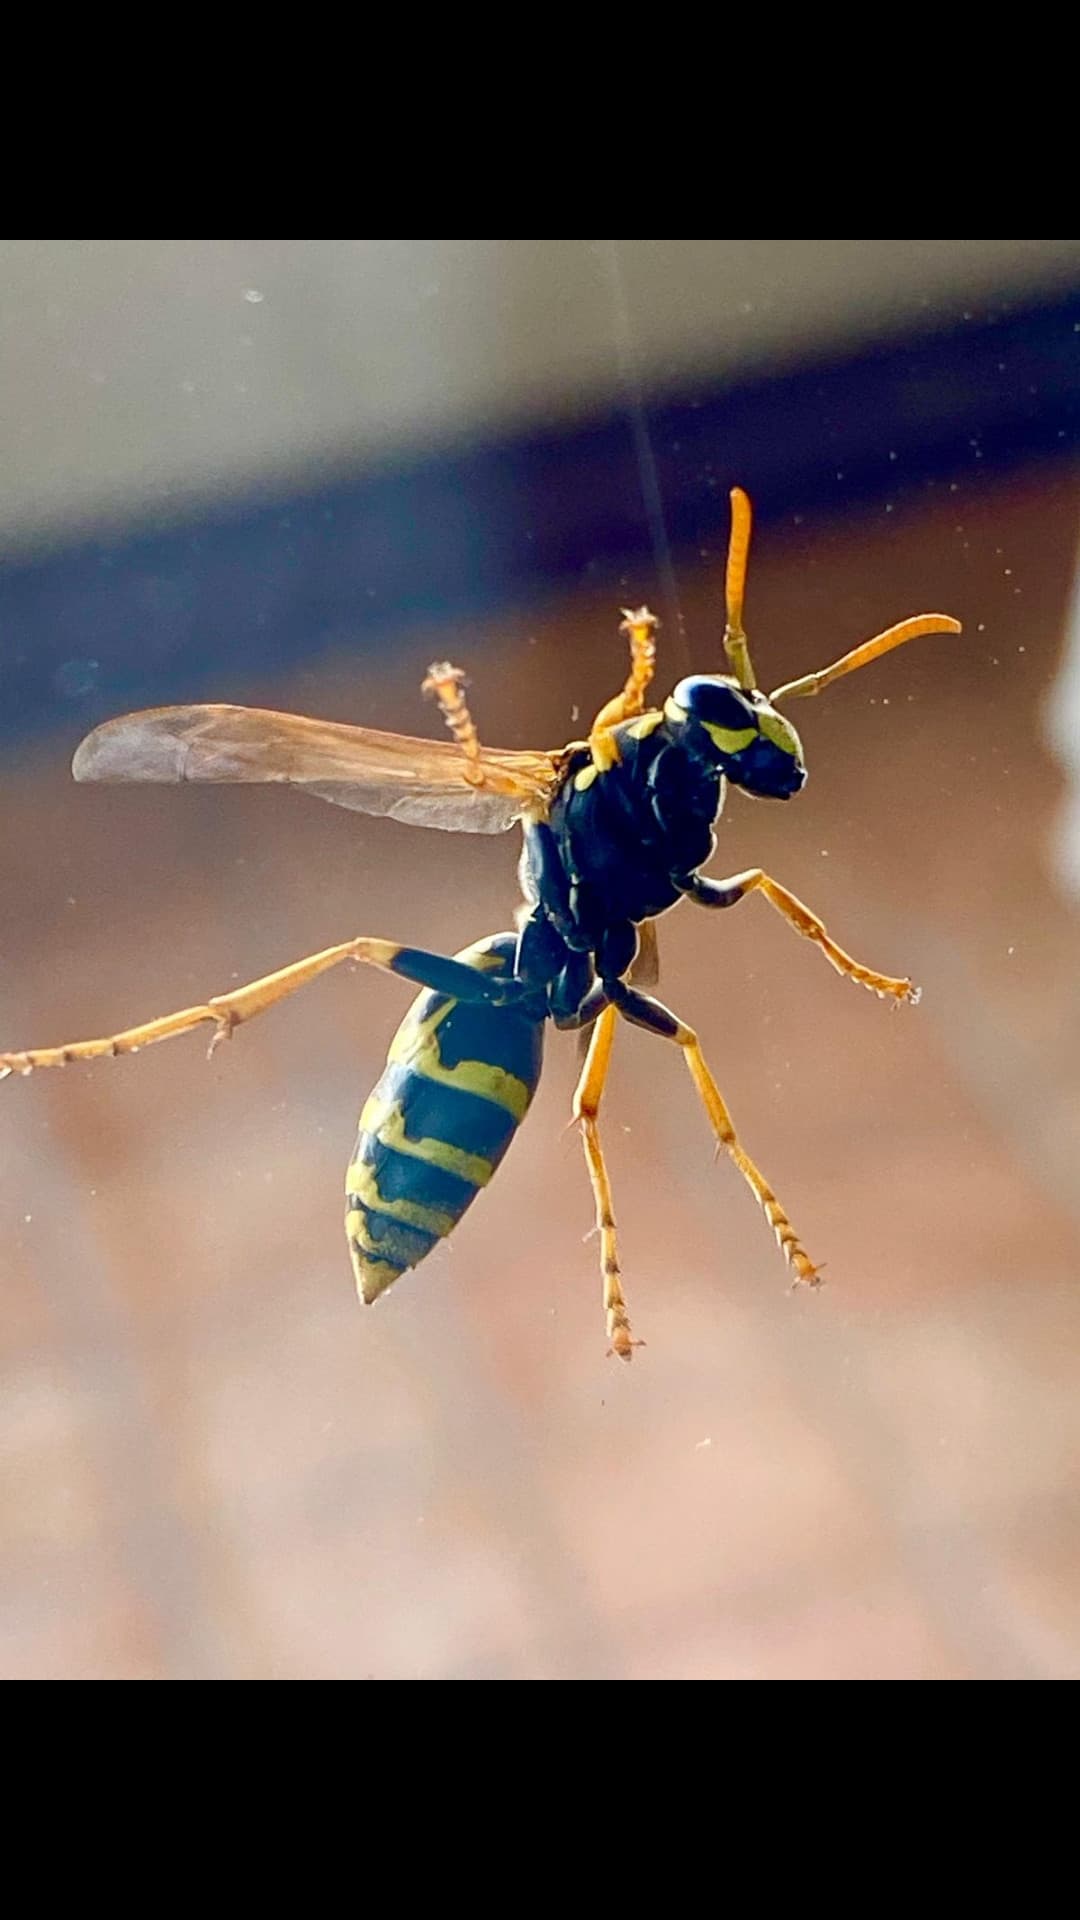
[[725, 893]]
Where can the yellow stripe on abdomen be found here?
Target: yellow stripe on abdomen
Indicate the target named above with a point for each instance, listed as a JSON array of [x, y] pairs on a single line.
[[416, 1046], [386, 1119], [361, 1183]]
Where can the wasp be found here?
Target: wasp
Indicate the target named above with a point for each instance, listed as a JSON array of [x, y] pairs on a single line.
[[617, 828]]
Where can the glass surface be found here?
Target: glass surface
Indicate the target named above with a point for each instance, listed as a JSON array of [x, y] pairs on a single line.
[[215, 1462]]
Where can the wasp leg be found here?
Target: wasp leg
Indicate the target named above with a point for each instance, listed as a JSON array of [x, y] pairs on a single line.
[[586, 1108], [228, 1010], [640, 629], [726, 893], [645, 1012], [447, 683]]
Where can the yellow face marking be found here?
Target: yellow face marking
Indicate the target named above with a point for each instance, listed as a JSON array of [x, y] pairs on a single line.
[[584, 779], [385, 1119], [641, 729], [730, 739], [780, 732], [361, 1183]]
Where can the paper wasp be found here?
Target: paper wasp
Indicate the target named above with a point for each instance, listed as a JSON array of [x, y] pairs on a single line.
[[616, 830]]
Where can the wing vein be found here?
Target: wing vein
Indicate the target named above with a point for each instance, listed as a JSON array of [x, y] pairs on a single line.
[[423, 782]]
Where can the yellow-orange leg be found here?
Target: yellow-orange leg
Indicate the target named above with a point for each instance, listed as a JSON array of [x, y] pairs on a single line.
[[228, 1010], [640, 629], [726, 893], [586, 1108], [446, 683], [645, 1012]]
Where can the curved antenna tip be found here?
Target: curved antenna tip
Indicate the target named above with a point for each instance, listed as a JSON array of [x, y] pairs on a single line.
[[898, 636]]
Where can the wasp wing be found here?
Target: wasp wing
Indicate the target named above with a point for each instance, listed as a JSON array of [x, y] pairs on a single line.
[[421, 781]]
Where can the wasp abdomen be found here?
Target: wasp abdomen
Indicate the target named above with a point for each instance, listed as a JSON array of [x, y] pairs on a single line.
[[456, 1087]]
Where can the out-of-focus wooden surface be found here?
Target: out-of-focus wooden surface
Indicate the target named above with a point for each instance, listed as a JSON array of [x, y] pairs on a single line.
[[215, 1464]]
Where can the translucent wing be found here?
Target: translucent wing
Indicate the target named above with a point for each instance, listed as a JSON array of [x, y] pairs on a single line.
[[420, 781]]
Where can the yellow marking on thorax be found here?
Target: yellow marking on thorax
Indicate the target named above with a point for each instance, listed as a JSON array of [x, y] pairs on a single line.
[[604, 748], [416, 1045], [726, 739], [361, 1183], [386, 1120]]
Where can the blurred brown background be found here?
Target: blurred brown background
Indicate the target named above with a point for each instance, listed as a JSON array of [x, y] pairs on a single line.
[[216, 1465]]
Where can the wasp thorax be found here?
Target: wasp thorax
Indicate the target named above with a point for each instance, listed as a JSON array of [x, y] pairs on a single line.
[[757, 748]]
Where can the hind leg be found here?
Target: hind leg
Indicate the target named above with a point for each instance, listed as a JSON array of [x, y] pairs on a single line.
[[228, 1010]]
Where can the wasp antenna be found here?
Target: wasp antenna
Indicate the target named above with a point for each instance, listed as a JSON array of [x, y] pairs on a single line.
[[735, 643], [897, 636]]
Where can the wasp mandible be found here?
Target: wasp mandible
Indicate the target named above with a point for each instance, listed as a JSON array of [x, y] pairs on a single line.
[[616, 830]]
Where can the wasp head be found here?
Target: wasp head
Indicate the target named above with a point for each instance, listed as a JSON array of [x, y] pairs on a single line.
[[736, 727]]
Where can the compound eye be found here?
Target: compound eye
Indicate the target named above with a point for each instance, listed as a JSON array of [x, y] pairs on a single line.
[[715, 702]]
